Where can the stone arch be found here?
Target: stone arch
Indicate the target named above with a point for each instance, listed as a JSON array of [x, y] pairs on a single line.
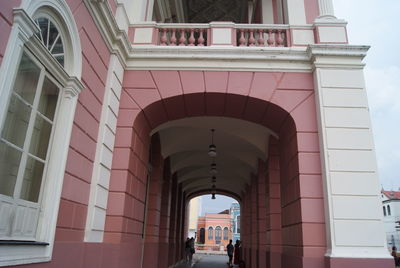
[[282, 102]]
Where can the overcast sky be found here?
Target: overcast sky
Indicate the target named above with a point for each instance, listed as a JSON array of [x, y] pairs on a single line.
[[374, 23]]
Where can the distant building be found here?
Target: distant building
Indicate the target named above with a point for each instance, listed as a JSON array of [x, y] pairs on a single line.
[[391, 219], [235, 219], [194, 211], [214, 230]]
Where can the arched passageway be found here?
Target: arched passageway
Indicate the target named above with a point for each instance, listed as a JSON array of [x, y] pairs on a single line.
[[268, 159]]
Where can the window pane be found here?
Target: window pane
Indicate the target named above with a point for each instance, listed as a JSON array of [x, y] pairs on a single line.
[[53, 33], [27, 79], [60, 59], [40, 137], [58, 47], [43, 24], [32, 180], [16, 122], [9, 163], [48, 99]]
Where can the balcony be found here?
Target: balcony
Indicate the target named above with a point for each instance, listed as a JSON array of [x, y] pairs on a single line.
[[229, 34]]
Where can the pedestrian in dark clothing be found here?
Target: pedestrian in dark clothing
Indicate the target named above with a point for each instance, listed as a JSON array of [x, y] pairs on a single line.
[[229, 249]]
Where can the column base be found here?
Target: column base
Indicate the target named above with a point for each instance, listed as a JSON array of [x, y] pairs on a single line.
[[358, 263]]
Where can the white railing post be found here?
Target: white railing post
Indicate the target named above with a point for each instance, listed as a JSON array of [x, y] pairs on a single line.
[[326, 9]]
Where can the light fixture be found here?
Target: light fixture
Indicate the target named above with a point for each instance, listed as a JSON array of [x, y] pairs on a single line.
[[212, 149], [213, 191], [213, 179], [213, 168]]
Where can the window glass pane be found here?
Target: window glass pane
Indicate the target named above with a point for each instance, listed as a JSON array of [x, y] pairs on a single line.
[[16, 123], [58, 47], [48, 99], [43, 24], [40, 137], [32, 180], [60, 59], [9, 163], [53, 33], [27, 79]]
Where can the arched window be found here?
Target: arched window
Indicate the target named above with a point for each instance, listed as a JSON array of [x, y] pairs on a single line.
[[388, 210], [238, 224], [226, 233], [384, 211], [210, 233], [202, 237], [218, 234], [37, 103], [50, 37]]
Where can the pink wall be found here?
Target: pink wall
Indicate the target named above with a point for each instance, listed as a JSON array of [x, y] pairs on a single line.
[[312, 10], [6, 20], [76, 187]]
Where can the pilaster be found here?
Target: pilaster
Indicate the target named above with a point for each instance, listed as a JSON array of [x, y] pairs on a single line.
[[351, 185]]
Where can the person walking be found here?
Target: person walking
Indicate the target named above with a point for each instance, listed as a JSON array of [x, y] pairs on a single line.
[[236, 253], [229, 250], [191, 249], [187, 249]]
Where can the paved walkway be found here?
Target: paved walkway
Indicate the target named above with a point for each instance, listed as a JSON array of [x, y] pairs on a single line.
[[206, 261]]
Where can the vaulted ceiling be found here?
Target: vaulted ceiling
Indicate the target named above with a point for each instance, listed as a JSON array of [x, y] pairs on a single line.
[[240, 144], [205, 11]]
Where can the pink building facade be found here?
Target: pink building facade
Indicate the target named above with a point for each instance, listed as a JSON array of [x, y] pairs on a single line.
[[105, 119], [214, 231]]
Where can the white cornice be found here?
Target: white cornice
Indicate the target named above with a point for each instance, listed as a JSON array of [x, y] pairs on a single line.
[[116, 40], [333, 56], [219, 58]]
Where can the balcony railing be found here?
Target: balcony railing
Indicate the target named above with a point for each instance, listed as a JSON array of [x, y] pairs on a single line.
[[212, 34], [183, 34], [229, 34]]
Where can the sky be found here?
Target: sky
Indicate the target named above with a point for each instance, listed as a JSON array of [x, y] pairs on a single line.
[[374, 23]]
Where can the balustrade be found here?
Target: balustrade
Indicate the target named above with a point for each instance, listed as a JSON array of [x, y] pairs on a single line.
[[252, 35], [183, 36], [247, 35]]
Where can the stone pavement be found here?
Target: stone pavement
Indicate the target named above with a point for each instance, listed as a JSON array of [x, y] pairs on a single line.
[[206, 261]]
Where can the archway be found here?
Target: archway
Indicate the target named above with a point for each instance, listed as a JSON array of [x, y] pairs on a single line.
[[283, 217]]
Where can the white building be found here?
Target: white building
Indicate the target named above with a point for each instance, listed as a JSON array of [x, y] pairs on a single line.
[[391, 213]]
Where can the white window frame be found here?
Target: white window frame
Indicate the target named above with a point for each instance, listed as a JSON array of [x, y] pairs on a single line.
[[22, 37]]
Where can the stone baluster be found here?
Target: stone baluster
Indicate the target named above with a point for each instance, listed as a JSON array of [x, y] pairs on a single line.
[[242, 39], [191, 38], [252, 40], [172, 40], [325, 9], [270, 40], [163, 40], [182, 39], [200, 41], [260, 39], [279, 39]]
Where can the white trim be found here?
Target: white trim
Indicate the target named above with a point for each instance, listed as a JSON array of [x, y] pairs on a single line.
[[99, 185]]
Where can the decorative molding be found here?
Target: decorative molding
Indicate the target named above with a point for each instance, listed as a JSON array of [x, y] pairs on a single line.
[[26, 25], [292, 59], [116, 40]]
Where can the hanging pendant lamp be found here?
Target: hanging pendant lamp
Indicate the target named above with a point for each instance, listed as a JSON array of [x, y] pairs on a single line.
[[212, 149]]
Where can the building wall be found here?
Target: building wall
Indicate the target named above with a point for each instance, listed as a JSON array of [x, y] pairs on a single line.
[[283, 101], [214, 221], [392, 221]]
